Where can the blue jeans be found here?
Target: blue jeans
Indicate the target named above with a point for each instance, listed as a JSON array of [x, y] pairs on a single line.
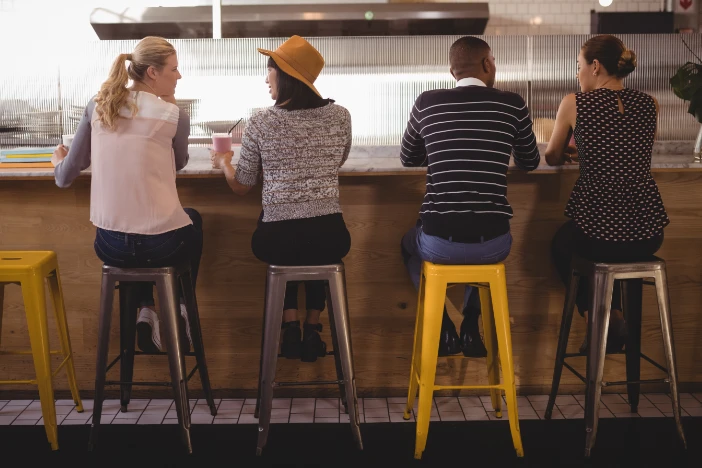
[[418, 246], [171, 248]]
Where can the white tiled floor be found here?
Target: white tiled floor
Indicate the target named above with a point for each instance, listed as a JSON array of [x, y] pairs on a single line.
[[329, 410]]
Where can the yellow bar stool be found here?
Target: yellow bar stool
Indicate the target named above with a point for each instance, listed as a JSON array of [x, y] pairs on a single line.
[[29, 269], [434, 280]]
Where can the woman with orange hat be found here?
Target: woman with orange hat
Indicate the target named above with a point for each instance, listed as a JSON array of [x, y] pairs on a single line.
[[296, 147]]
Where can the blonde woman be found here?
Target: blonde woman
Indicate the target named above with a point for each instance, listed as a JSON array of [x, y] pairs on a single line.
[[135, 138]]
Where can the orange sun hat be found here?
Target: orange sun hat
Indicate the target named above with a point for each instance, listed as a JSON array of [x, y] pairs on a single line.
[[299, 59]]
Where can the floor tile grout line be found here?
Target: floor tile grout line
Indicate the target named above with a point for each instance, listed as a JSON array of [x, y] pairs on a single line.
[[387, 403]]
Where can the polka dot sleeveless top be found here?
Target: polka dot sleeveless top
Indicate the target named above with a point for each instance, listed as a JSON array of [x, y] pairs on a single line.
[[615, 198]]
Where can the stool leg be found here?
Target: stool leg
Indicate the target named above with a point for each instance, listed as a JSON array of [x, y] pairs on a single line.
[[493, 356], [632, 290], [415, 363], [196, 334], [563, 335], [435, 297], [598, 324], [668, 344], [127, 337], [170, 311], [498, 292], [340, 310], [337, 354], [260, 360], [35, 309], [56, 294], [275, 292], [107, 291]]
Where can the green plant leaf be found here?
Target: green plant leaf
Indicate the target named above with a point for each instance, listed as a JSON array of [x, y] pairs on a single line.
[[687, 81]]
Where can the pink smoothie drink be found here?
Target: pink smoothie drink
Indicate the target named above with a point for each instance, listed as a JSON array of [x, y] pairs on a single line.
[[222, 142]]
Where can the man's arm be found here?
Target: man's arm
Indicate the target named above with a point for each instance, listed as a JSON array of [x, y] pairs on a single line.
[[413, 153], [526, 153]]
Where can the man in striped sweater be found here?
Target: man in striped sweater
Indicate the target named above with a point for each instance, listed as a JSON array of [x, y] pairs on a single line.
[[465, 137]]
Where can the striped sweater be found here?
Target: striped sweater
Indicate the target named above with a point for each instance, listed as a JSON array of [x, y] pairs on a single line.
[[299, 153], [465, 136]]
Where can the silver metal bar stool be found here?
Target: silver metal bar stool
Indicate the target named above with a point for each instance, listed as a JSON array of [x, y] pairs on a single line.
[[166, 280], [602, 277], [276, 280]]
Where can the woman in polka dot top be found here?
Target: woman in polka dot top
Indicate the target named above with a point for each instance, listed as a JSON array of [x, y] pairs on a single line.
[[616, 211]]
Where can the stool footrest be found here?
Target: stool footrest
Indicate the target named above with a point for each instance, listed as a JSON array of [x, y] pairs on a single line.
[[142, 353], [61, 366], [26, 353], [312, 382], [149, 384], [651, 361], [16, 382], [625, 382], [468, 387], [570, 368], [329, 353], [620, 382], [143, 384]]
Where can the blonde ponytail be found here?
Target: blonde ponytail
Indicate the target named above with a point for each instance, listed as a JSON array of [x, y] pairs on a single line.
[[113, 95]]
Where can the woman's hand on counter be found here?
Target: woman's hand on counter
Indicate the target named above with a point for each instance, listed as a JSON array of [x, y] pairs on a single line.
[[219, 160], [570, 154], [59, 155]]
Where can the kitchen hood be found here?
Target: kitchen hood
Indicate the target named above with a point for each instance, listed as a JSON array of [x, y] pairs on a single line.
[[309, 20]]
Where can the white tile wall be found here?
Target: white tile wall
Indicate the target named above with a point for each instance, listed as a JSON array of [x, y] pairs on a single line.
[[510, 17]]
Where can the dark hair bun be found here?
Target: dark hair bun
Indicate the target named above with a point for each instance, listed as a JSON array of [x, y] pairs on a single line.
[[626, 64]]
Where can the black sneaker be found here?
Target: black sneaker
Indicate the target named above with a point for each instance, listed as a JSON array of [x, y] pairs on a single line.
[[148, 334], [292, 340], [312, 344]]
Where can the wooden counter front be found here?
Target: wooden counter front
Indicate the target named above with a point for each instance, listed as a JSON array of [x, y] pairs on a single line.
[[378, 210]]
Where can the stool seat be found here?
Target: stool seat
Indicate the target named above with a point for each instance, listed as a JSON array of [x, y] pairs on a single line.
[[602, 277], [638, 269], [434, 279], [276, 280], [167, 281], [19, 262], [30, 269]]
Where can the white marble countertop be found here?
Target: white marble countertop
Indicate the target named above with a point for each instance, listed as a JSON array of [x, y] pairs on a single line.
[[385, 160]]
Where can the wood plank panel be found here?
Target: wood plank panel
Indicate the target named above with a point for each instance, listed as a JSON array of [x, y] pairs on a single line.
[[378, 211]]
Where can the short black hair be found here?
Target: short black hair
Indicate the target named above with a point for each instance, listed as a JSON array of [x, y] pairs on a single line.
[[293, 94], [467, 52]]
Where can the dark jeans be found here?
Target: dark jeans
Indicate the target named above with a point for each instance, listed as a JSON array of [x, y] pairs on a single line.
[[417, 246], [321, 240], [569, 240], [153, 251]]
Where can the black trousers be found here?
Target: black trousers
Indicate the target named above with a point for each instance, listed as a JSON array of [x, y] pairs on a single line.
[[321, 240], [569, 240]]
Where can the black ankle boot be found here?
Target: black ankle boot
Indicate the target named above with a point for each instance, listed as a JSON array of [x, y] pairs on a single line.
[[617, 335], [292, 340], [471, 342], [312, 344], [449, 343]]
